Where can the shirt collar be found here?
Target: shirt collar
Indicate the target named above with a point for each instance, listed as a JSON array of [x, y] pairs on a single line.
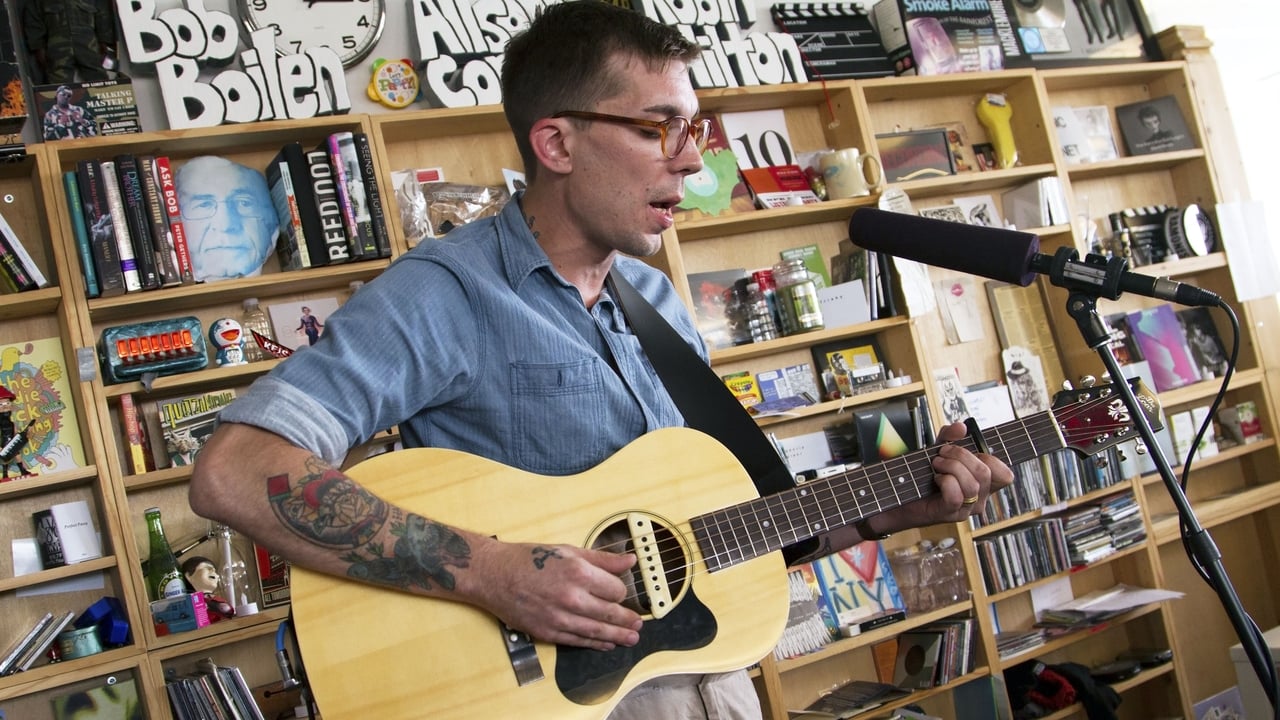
[[521, 253]]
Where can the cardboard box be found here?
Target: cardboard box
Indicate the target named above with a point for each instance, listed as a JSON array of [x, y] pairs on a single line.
[[180, 613]]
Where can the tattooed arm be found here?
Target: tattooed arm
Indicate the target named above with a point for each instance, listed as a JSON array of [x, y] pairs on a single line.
[[287, 499]]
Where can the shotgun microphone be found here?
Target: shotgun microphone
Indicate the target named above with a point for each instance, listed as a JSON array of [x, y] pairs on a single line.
[[1010, 256]]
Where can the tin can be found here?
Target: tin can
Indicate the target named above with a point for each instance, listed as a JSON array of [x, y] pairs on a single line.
[[79, 643]]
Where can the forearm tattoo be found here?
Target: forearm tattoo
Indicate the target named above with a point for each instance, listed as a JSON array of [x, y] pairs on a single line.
[[327, 508]]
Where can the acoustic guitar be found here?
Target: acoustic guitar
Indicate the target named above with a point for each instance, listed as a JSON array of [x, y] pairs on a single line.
[[710, 583]]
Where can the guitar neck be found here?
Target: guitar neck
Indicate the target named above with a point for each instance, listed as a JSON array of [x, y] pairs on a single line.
[[748, 530]]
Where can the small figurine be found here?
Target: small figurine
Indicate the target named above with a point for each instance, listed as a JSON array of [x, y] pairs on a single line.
[[11, 441], [228, 340], [203, 577]]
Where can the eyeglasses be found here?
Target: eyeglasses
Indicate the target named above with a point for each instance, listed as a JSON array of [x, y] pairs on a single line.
[[205, 207], [678, 127]]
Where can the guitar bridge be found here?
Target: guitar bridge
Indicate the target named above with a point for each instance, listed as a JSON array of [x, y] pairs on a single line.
[[644, 540]]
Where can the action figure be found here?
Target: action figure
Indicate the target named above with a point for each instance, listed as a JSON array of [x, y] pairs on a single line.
[[11, 441], [202, 577], [228, 341], [70, 39]]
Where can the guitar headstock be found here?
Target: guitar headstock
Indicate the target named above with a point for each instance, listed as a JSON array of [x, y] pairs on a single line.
[[1095, 418]]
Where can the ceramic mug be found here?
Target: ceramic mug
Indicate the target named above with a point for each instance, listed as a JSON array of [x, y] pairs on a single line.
[[845, 172]]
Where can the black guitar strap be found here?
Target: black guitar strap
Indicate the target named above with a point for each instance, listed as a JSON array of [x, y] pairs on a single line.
[[703, 399]]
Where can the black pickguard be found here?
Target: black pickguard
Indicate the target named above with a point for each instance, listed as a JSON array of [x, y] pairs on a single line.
[[591, 676]]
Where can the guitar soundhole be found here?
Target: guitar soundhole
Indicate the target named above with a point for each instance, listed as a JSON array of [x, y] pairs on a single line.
[[661, 559]]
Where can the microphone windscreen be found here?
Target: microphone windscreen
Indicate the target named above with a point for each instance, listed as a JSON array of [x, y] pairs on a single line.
[[994, 253]]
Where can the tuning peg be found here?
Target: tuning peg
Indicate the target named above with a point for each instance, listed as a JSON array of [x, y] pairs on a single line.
[[1066, 385], [1088, 381]]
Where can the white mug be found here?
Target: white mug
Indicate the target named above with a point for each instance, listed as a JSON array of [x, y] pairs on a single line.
[[845, 172]]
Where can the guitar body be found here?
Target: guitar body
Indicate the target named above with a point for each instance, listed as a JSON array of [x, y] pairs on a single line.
[[371, 652]]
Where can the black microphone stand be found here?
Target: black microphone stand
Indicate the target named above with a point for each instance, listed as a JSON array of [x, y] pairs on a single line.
[[1082, 306]]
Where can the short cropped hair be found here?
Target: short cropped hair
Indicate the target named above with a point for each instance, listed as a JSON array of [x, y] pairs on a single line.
[[562, 61]]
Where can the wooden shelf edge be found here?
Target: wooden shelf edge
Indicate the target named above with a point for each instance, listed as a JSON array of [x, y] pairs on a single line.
[[1124, 552], [870, 638], [22, 487], [1120, 687], [14, 306], [841, 405], [219, 634], [1076, 636], [157, 478], [1206, 389], [1219, 510], [55, 675], [804, 340], [191, 380], [1133, 164], [1048, 510], [1224, 455], [66, 571]]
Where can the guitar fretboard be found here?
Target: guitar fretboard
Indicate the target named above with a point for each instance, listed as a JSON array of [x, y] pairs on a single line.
[[748, 530]]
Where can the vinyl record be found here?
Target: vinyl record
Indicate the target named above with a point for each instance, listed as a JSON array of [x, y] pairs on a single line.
[[1041, 13]]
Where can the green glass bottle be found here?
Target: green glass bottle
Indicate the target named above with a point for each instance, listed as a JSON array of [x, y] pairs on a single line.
[[164, 576]]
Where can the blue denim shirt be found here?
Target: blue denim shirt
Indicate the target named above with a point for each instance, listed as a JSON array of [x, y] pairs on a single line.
[[474, 342]]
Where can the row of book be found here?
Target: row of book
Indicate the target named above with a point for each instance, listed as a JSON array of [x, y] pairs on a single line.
[[1023, 554], [329, 203], [127, 216], [1051, 479], [1099, 529], [935, 654], [185, 424], [18, 271], [23, 654], [213, 692]]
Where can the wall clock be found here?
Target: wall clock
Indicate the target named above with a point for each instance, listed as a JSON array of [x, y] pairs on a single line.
[[350, 27]]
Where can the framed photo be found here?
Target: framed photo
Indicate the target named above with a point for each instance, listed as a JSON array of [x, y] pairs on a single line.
[[298, 325], [1058, 33], [915, 154], [848, 364], [1154, 126]]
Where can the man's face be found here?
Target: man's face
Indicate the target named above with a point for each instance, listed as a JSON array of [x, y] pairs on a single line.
[[228, 217], [1152, 122], [624, 188], [64, 97]]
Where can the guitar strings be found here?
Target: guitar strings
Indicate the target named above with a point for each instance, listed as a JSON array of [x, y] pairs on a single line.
[[1019, 438]]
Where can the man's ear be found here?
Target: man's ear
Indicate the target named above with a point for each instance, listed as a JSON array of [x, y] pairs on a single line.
[[552, 140]]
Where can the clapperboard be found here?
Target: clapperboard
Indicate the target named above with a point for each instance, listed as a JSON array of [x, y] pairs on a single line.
[[837, 40]]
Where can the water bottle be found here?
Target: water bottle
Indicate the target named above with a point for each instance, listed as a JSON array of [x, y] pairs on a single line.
[[255, 320], [905, 563], [952, 581], [931, 573]]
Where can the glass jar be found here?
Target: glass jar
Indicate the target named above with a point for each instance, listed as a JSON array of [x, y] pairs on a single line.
[[759, 316], [737, 312], [797, 298]]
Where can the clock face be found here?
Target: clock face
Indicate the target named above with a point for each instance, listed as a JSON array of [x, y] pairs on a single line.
[[350, 27]]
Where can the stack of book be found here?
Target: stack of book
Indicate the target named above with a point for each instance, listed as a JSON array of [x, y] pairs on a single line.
[[214, 692], [33, 644], [1023, 554]]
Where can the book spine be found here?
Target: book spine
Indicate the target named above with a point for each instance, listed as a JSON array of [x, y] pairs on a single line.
[[334, 235], [161, 238], [71, 186], [369, 173], [292, 241], [97, 220], [134, 435], [124, 245], [16, 247], [135, 219], [12, 268], [44, 640], [343, 166], [173, 215], [11, 657]]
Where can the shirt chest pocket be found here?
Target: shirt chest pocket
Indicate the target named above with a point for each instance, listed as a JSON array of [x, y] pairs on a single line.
[[559, 416]]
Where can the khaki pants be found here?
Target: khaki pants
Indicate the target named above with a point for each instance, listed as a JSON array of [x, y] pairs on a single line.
[[725, 696]]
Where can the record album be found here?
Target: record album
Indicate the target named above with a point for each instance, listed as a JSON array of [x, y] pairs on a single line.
[[1041, 13]]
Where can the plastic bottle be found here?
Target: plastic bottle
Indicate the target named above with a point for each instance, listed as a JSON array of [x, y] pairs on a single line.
[[930, 574], [255, 320], [769, 288], [759, 318], [906, 571], [952, 585], [164, 577]]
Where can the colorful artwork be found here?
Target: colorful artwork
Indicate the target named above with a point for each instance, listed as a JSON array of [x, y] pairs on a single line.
[[35, 373]]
